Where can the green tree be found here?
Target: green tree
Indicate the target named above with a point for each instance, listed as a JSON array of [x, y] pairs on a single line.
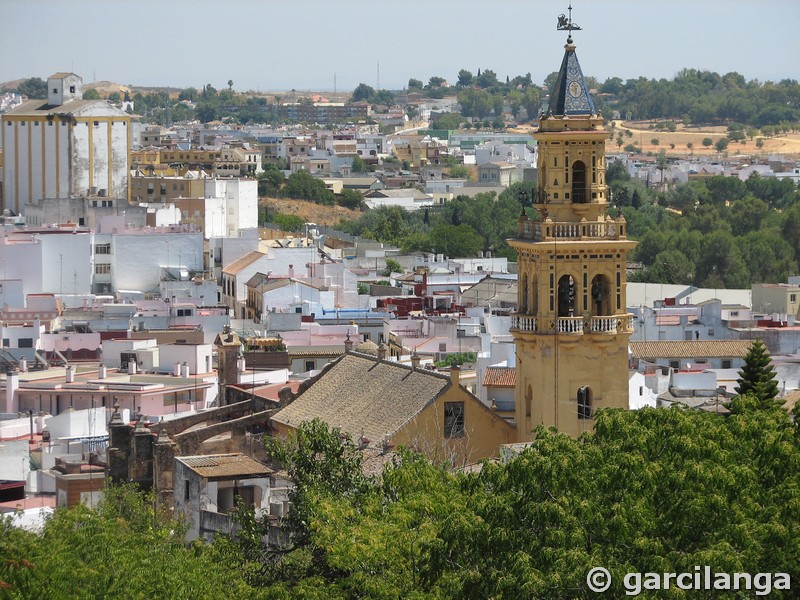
[[363, 92], [89, 553], [351, 199], [414, 84], [707, 141], [303, 186], [91, 94], [671, 266], [190, 94], [456, 241], [721, 144], [475, 103], [465, 78], [288, 222], [318, 460], [449, 120], [653, 490], [531, 100], [460, 172], [392, 266], [486, 79], [746, 215], [34, 88], [359, 166], [115, 97], [757, 376], [270, 181]]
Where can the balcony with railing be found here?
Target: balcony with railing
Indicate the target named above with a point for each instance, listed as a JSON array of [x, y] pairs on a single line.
[[525, 323], [548, 230], [593, 325]]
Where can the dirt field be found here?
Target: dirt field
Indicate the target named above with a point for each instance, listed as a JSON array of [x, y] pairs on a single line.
[[788, 145], [310, 212]]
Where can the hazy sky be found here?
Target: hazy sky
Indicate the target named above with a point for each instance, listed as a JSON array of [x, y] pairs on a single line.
[[285, 44]]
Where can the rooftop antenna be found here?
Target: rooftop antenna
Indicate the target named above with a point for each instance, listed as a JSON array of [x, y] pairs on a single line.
[[334, 86], [378, 87], [565, 24]]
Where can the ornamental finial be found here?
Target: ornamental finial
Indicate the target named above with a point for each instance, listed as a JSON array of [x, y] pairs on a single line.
[[565, 23]]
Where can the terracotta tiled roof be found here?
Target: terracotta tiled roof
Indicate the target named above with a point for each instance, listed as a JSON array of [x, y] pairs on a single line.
[[360, 394], [243, 261], [225, 466], [500, 376], [690, 349]]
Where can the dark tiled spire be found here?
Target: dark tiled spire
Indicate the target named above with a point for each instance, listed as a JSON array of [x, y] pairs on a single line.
[[570, 95]]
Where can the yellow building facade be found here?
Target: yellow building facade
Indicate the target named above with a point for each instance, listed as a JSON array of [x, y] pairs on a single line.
[[572, 328]]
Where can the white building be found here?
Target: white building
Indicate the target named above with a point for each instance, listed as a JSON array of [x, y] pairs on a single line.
[[138, 258], [64, 146], [48, 260], [231, 205]]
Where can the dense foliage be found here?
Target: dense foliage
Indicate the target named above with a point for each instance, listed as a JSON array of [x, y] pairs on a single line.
[[121, 550], [655, 490], [696, 96], [460, 228], [720, 232]]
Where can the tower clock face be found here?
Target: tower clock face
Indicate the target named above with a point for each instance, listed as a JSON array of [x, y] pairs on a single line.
[[574, 89]]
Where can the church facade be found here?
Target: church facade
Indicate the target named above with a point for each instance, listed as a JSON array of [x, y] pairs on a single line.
[[571, 329]]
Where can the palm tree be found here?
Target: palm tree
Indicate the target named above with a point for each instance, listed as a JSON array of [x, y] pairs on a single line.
[[662, 165], [230, 85]]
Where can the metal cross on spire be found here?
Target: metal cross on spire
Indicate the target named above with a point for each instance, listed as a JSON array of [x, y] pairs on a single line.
[[565, 24]]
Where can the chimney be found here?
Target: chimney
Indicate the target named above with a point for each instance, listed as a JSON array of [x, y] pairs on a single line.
[[70, 374], [382, 351], [348, 344], [132, 367], [12, 384], [415, 360], [101, 371], [455, 375]]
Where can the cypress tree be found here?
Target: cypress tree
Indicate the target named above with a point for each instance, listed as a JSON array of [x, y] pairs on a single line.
[[757, 376]]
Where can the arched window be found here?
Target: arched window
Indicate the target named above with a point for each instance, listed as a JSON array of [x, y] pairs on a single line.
[[566, 296], [533, 295], [584, 402], [579, 195], [601, 304], [523, 293]]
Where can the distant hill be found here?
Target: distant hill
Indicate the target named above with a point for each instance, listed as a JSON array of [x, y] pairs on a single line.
[[105, 87]]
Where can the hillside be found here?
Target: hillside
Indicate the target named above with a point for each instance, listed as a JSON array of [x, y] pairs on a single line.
[[309, 211], [788, 144]]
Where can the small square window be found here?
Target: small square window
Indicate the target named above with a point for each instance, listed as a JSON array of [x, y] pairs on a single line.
[[72, 89]]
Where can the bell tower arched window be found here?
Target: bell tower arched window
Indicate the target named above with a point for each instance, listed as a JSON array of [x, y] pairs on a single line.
[[579, 191], [601, 304], [566, 296], [523, 290]]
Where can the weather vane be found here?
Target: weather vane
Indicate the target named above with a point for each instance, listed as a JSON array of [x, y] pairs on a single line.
[[565, 23]]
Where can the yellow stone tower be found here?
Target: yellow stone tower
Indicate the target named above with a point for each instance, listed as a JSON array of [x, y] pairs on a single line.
[[572, 328]]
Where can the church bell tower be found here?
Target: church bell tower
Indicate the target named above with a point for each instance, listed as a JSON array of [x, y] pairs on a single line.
[[571, 329]]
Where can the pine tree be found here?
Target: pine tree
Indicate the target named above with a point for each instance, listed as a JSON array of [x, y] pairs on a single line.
[[757, 376]]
